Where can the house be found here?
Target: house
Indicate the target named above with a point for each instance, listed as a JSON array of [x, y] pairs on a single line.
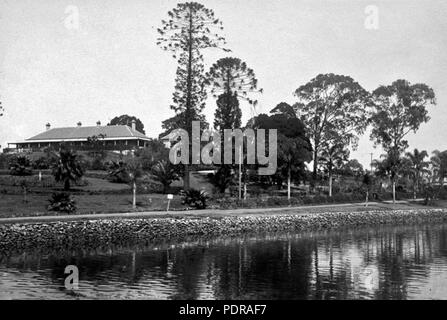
[[112, 138]]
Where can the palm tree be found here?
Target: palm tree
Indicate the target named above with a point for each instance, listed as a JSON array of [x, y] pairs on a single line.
[[67, 168], [128, 170], [439, 167], [418, 167], [333, 157], [165, 173], [134, 171], [390, 167]]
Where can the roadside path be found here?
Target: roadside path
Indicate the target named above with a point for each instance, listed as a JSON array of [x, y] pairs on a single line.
[[314, 209]]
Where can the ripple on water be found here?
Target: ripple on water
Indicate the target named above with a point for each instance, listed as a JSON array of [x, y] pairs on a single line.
[[381, 263]]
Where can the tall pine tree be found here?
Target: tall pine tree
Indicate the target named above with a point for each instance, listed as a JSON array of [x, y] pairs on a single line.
[[190, 28]]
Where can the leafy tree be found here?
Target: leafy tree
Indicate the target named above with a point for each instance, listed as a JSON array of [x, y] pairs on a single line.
[[126, 120], [352, 168], [418, 167], [284, 108], [190, 28], [165, 173], [334, 109], [333, 156], [294, 148], [390, 167], [397, 110], [67, 168]]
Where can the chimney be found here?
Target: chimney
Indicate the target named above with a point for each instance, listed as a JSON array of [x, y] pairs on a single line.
[[134, 125], [48, 126], [79, 124], [98, 123]]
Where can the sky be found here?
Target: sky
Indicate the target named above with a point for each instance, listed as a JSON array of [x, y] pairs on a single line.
[[56, 69]]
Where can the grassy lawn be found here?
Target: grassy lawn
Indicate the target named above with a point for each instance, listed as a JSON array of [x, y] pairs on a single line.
[[13, 205], [101, 196], [96, 196]]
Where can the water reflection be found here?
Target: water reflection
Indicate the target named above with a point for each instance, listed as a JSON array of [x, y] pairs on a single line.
[[383, 263]]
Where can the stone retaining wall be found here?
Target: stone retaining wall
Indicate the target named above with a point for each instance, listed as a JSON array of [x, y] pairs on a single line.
[[95, 233]]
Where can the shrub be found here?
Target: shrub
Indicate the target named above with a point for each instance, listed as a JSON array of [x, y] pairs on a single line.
[[118, 172], [20, 166], [195, 198], [42, 163], [62, 202], [147, 185], [97, 164], [165, 173]]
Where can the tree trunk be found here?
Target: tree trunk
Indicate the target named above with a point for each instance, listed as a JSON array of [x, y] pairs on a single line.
[[416, 187], [367, 198], [288, 184], [134, 195], [186, 183], [394, 192], [245, 190], [330, 184], [314, 172]]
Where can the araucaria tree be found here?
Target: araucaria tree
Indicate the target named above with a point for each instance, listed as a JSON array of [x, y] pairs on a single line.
[[230, 80], [399, 109], [231, 76], [190, 28], [334, 109]]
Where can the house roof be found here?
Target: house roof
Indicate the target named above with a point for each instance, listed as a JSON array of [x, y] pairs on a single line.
[[70, 133]]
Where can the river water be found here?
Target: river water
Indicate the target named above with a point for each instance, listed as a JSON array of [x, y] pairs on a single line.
[[376, 263]]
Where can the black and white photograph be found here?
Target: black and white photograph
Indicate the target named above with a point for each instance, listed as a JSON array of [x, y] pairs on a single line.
[[242, 151]]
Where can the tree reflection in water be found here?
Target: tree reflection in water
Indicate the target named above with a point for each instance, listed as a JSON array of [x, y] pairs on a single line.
[[380, 263]]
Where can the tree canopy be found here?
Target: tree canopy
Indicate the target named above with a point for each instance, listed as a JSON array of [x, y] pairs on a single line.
[[228, 114], [294, 147], [334, 108], [126, 120], [398, 109], [232, 77]]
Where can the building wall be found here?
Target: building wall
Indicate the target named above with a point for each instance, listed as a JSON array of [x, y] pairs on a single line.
[[82, 145]]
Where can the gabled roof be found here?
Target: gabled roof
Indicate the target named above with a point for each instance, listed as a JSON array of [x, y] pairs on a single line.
[[109, 132]]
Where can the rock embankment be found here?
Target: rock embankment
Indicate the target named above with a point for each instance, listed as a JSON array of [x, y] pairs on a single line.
[[75, 234]]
